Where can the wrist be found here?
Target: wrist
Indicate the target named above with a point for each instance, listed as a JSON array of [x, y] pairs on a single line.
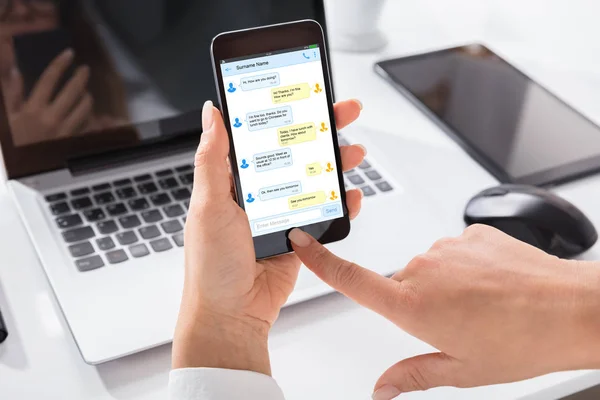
[[209, 339], [585, 314]]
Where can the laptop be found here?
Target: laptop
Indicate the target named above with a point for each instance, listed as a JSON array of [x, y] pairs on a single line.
[[101, 173]]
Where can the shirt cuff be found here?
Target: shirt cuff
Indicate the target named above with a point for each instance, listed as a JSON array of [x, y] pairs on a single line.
[[221, 384]]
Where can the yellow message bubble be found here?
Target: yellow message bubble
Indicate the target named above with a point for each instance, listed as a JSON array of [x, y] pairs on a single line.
[[313, 169], [286, 94], [296, 134], [306, 200]]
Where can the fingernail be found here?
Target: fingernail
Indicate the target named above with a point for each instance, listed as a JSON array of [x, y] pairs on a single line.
[[360, 104], [386, 392], [364, 149], [207, 115], [362, 194], [299, 238], [14, 72], [69, 53]]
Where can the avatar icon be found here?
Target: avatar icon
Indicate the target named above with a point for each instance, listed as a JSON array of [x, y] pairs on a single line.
[[329, 167], [318, 88], [237, 123], [250, 199], [333, 196], [231, 88], [323, 127], [244, 164]]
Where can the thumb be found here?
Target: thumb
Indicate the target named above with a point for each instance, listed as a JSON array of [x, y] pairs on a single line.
[[211, 174], [419, 373], [371, 290]]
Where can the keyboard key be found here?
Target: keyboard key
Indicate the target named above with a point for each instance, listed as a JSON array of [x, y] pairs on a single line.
[[184, 168], [149, 232], [181, 194], [69, 221], [148, 188], [104, 198], [151, 216], [187, 179], [126, 238], [174, 210], [80, 192], [364, 165], [60, 208], [105, 243], [101, 187], [82, 202], [142, 178], [164, 172], [187, 204], [160, 245], [160, 199], [126, 192], [55, 197], [90, 263], [81, 249], [130, 221], [122, 182], [107, 227], [171, 226], [138, 204], [168, 183], [95, 214], [178, 239], [116, 257], [139, 250], [116, 209], [78, 234], [356, 179], [368, 191], [384, 186], [373, 175]]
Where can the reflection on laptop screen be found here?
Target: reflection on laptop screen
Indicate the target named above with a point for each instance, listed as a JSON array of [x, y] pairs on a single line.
[[71, 67]]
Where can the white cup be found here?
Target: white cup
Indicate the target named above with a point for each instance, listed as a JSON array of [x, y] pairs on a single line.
[[353, 25]]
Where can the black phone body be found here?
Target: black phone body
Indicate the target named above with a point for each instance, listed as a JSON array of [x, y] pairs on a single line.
[[275, 94], [34, 53]]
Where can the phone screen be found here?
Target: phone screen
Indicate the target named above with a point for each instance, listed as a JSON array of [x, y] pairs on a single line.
[[283, 140]]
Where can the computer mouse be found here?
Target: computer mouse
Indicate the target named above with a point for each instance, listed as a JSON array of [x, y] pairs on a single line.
[[535, 216]]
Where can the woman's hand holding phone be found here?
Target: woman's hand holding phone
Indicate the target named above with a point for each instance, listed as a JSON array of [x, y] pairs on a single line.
[[230, 300], [45, 116]]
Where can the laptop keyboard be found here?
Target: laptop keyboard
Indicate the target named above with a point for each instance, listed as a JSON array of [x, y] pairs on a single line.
[[112, 222], [365, 177]]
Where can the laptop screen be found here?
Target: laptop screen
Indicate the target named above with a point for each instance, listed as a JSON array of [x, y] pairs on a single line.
[[83, 77]]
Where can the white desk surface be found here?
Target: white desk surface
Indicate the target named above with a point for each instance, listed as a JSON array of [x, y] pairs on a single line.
[[327, 348]]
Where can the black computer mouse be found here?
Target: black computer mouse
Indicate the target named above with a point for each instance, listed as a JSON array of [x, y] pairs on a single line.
[[534, 216]]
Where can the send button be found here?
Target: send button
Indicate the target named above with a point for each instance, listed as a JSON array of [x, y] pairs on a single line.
[[330, 211]]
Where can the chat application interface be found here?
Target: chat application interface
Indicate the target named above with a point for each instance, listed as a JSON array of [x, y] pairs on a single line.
[[282, 137]]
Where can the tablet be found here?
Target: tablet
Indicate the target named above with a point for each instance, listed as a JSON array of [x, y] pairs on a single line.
[[515, 128]]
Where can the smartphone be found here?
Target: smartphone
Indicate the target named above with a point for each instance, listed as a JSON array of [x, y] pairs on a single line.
[[34, 53], [275, 95]]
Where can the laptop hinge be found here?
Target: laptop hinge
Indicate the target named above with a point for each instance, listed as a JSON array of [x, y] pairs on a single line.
[[119, 158]]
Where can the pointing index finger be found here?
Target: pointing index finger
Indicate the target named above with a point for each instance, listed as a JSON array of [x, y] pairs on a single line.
[[367, 288]]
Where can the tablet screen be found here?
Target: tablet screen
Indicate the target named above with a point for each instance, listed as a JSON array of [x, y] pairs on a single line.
[[515, 124]]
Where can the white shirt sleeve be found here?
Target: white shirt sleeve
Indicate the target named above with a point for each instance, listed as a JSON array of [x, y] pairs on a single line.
[[221, 384]]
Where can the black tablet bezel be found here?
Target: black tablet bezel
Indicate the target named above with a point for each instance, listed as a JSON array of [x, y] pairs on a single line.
[[250, 42], [550, 177]]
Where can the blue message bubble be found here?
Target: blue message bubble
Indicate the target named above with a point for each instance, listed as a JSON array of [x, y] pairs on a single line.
[[259, 81], [272, 118], [273, 159], [281, 190]]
